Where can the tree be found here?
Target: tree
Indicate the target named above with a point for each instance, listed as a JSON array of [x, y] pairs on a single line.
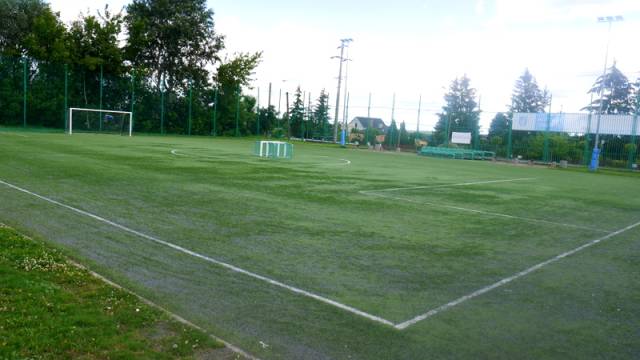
[[615, 92], [321, 115], [173, 40], [93, 42], [94, 49], [391, 136], [499, 127], [296, 113], [460, 112], [527, 97], [230, 77], [23, 29], [404, 135]]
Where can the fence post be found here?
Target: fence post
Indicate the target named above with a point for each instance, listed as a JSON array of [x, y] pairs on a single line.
[[190, 101], [509, 139], [446, 139], [215, 110], [237, 112], [133, 95], [587, 142], [66, 97], [161, 109], [258, 114], [545, 151], [24, 92], [101, 85], [633, 150]]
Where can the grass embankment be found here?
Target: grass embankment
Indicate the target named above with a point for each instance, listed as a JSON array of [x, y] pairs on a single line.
[[50, 308]]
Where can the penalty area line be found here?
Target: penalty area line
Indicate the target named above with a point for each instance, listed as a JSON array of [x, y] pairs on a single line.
[[206, 258], [446, 185], [487, 213], [486, 289]]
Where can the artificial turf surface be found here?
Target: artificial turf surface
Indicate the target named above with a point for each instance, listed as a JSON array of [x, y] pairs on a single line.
[[307, 223]]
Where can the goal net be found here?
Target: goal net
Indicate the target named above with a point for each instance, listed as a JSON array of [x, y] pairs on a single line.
[[273, 149], [100, 121]]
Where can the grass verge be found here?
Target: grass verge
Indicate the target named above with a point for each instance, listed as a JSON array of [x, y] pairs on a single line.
[[50, 308]]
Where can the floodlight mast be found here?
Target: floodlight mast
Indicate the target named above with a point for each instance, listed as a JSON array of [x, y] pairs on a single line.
[[595, 156], [344, 43]]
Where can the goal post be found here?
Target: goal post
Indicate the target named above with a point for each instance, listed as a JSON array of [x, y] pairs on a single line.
[[101, 121]]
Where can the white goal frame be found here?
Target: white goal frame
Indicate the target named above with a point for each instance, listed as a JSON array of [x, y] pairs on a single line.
[[100, 111]]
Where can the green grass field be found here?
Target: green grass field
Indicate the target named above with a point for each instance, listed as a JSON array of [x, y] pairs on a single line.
[[338, 252]]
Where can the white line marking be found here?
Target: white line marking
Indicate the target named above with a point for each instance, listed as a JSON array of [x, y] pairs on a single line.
[[488, 213], [11, 133], [177, 152], [344, 161], [206, 258], [482, 212], [447, 185], [509, 279]]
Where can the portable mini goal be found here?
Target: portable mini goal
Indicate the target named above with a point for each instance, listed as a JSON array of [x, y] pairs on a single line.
[[273, 149]]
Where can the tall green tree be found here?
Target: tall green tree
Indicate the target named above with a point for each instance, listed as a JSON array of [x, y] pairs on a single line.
[[173, 40], [527, 97], [93, 42], [296, 113], [94, 49], [499, 128], [321, 119], [614, 93], [391, 136], [231, 76], [460, 113], [30, 28]]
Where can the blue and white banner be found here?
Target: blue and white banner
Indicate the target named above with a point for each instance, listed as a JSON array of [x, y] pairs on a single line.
[[576, 123]]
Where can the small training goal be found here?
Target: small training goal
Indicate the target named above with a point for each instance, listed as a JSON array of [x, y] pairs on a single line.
[[273, 149], [100, 121]]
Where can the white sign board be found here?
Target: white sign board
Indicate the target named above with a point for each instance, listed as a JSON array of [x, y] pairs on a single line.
[[461, 137]]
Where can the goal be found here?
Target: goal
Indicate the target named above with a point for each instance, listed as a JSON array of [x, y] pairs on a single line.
[[101, 121]]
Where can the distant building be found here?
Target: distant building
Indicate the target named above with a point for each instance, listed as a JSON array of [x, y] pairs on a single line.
[[363, 123]]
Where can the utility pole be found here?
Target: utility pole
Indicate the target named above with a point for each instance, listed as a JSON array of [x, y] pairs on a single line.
[[344, 43], [369, 108]]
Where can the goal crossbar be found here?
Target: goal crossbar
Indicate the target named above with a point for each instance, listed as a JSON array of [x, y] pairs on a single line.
[[71, 110]]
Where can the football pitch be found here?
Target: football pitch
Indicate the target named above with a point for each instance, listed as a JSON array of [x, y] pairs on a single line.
[[343, 253]]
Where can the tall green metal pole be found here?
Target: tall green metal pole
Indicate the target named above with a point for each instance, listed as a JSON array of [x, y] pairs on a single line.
[[258, 114], [24, 92], [161, 109], [237, 112], [545, 150], [509, 141], [101, 85], [215, 112], [133, 94], [66, 97], [634, 131], [190, 101], [446, 139]]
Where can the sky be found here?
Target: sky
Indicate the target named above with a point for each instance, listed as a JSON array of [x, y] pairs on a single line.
[[415, 48]]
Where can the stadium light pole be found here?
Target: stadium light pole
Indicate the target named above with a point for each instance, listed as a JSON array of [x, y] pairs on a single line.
[[595, 156], [344, 43]]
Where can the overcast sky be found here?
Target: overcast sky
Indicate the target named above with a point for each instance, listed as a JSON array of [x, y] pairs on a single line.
[[413, 48]]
